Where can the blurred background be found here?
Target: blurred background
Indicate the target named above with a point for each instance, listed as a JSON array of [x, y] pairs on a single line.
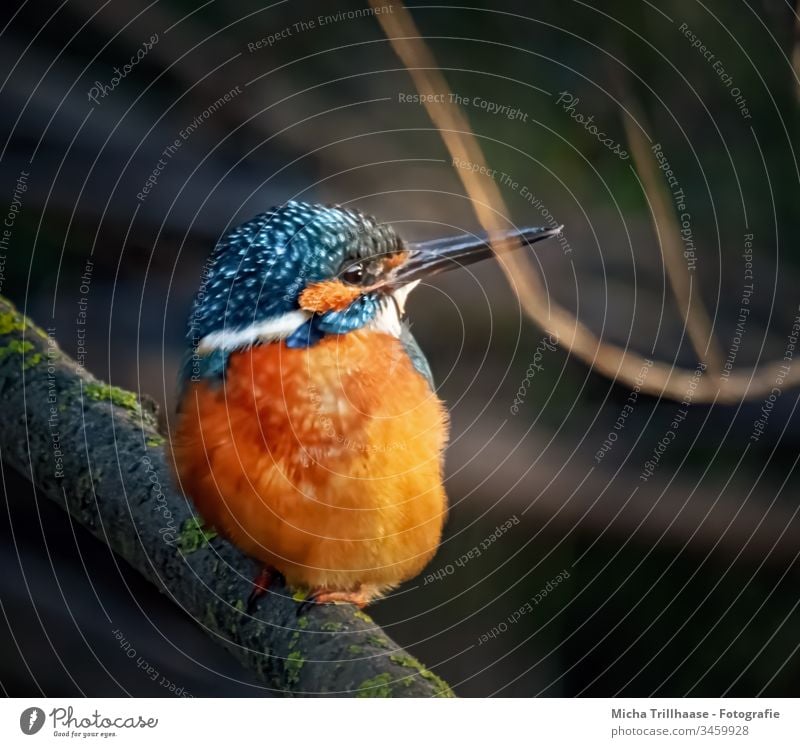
[[596, 574]]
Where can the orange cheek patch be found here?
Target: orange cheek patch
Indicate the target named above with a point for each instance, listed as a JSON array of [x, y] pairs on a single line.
[[395, 260], [329, 295]]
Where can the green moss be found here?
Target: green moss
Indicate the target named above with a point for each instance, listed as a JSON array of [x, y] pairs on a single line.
[[379, 641], [294, 663], [376, 687], [194, 535], [239, 605], [16, 346], [154, 441], [209, 617], [106, 392], [331, 626], [354, 649], [11, 321], [302, 623], [300, 594], [23, 348], [409, 662], [364, 617]]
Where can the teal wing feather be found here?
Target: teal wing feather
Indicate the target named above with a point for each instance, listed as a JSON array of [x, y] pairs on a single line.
[[415, 353]]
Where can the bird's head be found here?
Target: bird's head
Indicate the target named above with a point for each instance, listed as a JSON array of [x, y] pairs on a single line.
[[301, 271]]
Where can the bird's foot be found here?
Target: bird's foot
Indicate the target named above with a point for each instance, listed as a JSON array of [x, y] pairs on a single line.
[[361, 597], [261, 584]]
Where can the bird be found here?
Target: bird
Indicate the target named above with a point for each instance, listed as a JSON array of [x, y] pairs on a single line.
[[309, 431]]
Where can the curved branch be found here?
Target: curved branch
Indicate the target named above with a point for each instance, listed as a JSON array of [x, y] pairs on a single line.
[[699, 326], [621, 365], [96, 451]]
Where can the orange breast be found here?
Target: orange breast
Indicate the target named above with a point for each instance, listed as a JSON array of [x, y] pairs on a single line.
[[323, 462]]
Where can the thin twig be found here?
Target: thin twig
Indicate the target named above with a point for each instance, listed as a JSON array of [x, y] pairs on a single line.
[[688, 298]]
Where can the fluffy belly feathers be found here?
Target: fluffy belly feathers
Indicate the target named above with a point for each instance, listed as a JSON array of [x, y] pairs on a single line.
[[323, 462]]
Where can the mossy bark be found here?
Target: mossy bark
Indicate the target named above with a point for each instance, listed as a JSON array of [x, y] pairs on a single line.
[[96, 451]]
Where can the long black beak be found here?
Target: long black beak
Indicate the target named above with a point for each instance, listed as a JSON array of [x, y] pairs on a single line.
[[428, 258]]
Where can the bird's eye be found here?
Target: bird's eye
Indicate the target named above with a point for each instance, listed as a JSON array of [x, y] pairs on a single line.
[[354, 274]]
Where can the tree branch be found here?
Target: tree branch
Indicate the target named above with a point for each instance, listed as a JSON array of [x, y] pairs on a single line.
[[96, 451]]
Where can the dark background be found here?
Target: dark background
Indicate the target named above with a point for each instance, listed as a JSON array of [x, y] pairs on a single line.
[[687, 585]]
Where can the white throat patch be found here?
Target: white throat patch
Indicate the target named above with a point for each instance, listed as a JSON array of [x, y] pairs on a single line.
[[391, 311], [388, 320], [270, 330]]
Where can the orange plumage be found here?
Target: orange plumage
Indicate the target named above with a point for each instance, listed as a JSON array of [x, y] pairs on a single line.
[[323, 462], [328, 295]]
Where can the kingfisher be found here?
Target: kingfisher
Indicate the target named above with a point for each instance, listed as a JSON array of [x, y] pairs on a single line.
[[309, 431]]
